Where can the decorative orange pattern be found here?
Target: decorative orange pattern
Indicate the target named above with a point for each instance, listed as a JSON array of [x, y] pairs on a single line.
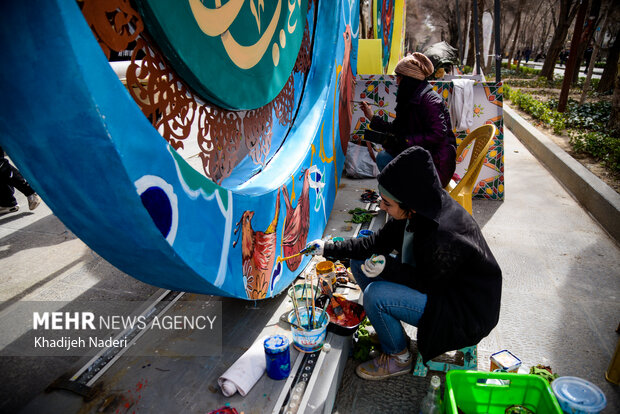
[[115, 23], [172, 107]]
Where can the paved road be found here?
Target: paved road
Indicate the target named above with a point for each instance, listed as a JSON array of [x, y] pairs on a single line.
[[41, 260], [559, 69]]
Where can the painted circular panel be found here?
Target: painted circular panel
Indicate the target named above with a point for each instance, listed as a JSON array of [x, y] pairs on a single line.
[[237, 54]]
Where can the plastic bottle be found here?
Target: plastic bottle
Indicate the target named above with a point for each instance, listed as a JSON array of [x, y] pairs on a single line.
[[431, 404]]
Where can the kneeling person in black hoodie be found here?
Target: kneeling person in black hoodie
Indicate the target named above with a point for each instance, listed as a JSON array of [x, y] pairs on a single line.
[[429, 266]]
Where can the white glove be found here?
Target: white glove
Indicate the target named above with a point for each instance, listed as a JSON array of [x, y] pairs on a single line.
[[374, 266], [315, 247]]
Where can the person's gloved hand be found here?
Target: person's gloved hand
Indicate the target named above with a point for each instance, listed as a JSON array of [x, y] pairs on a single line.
[[374, 266], [315, 247]]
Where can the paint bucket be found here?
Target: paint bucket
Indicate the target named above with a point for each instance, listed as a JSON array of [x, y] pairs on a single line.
[[308, 340], [303, 291], [277, 357], [326, 271], [364, 233]]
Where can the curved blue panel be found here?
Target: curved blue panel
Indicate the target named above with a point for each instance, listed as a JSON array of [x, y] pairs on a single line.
[[78, 137]]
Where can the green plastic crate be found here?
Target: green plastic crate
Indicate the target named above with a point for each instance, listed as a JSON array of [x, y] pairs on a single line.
[[470, 392]]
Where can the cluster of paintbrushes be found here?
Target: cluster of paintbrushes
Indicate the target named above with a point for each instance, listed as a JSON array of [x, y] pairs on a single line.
[[309, 300]]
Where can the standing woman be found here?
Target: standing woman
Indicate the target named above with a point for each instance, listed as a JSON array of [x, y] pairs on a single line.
[[429, 266], [422, 118]]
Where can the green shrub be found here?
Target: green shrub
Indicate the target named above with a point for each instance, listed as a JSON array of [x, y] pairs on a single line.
[[587, 124], [598, 144], [537, 109]]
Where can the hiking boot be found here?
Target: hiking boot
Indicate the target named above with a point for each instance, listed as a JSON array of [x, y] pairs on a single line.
[[10, 209], [385, 366], [33, 201]]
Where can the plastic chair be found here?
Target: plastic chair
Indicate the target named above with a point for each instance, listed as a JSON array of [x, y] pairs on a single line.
[[483, 137]]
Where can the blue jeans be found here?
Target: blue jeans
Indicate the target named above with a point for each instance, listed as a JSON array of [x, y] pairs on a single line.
[[383, 159], [386, 304]]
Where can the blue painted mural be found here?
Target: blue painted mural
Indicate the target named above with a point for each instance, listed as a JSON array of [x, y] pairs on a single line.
[[99, 163]]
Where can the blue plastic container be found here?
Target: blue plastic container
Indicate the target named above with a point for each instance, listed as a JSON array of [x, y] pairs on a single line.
[[578, 396], [278, 357], [365, 233]]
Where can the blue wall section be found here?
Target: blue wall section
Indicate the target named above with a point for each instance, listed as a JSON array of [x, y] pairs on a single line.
[[78, 137]]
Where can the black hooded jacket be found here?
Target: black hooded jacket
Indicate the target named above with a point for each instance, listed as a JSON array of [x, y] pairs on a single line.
[[453, 263]]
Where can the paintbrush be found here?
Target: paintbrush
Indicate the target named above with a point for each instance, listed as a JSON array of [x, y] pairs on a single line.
[[369, 103], [313, 309], [324, 314], [308, 307], [335, 305], [294, 325], [295, 306], [283, 259], [302, 251]]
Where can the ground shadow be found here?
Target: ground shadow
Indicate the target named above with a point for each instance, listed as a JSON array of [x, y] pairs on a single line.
[[483, 210]]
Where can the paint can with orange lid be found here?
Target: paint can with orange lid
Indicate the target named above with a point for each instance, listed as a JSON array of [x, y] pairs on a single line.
[[326, 271]]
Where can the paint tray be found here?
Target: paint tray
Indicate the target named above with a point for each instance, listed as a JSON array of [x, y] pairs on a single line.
[[354, 315]]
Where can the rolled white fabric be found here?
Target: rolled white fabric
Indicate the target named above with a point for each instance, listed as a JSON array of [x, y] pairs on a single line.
[[245, 372]]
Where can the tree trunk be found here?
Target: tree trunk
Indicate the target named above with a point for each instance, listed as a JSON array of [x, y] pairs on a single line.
[[480, 52], [542, 48], [565, 19], [511, 54], [586, 37], [611, 68], [506, 41], [597, 46], [614, 118], [491, 57], [573, 58], [471, 54], [453, 28]]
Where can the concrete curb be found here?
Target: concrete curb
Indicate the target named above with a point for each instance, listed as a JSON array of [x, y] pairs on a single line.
[[600, 200]]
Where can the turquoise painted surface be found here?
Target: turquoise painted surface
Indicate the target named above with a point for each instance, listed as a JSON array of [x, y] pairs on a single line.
[[78, 137], [218, 49]]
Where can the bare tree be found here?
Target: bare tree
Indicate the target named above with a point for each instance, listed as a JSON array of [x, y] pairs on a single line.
[[421, 27], [471, 53], [538, 19], [567, 12], [515, 42], [611, 66], [597, 46], [586, 36], [614, 117], [510, 14], [444, 18]]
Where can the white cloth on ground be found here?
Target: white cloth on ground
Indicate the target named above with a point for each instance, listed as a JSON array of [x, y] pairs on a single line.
[[462, 107], [245, 372]]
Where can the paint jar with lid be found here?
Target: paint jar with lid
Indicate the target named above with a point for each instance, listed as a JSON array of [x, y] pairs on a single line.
[[326, 271], [365, 233], [278, 357]]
